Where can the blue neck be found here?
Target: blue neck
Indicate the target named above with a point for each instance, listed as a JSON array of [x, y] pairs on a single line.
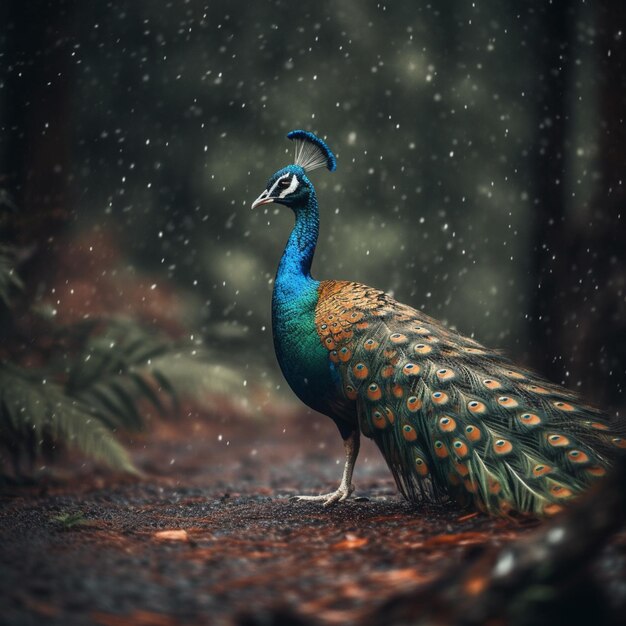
[[294, 271], [301, 355]]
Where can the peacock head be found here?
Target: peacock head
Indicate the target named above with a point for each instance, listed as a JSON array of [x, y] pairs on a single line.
[[290, 185]]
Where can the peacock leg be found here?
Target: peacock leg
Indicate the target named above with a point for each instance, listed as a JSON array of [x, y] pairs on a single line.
[[351, 447]]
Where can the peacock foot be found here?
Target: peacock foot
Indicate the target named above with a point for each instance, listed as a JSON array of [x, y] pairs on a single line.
[[327, 499]]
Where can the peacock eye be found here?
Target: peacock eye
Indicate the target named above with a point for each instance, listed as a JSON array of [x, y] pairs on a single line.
[[284, 183]]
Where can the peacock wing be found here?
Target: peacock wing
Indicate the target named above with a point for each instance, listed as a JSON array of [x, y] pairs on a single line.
[[451, 416]]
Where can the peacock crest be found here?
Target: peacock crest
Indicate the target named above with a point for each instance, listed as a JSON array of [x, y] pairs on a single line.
[[311, 151]]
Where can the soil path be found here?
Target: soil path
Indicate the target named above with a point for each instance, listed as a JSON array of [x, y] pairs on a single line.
[[92, 549]]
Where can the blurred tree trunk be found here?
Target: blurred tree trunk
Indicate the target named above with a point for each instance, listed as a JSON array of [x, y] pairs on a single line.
[[579, 313], [603, 341], [36, 121]]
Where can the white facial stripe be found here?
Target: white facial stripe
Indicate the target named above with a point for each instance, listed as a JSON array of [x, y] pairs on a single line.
[[277, 192], [272, 191], [292, 187]]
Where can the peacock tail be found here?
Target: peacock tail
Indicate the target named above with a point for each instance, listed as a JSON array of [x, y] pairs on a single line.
[[451, 416]]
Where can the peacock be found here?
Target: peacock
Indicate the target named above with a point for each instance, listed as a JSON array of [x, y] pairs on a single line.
[[451, 417]]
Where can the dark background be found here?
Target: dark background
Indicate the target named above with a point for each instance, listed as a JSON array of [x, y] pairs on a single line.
[[480, 163]]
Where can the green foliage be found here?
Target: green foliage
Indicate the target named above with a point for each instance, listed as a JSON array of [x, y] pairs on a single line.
[[97, 377], [67, 520], [116, 367], [36, 416]]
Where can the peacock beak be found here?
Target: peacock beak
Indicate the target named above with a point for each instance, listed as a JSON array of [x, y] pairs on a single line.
[[264, 198]]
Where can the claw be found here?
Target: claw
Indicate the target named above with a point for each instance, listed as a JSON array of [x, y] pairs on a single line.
[[346, 488], [327, 499]]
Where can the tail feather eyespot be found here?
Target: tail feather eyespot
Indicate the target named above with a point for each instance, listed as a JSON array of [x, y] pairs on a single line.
[[353, 316], [398, 338], [476, 407], [578, 456], [619, 442], [445, 374], [329, 343], [409, 433], [370, 344], [324, 331], [411, 369], [508, 402], [529, 419], [447, 424], [563, 406], [374, 392], [422, 348], [351, 392], [537, 389], [557, 440], [491, 383], [421, 467], [379, 420], [502, 446], [345, 354], [460, 448], [514, 374], [560, 491], [360, 371], [473, 433], [413, 403], [440, 397], [541, 470], [440, 449]]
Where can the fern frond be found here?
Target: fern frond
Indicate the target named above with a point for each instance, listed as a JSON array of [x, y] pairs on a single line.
[[35, 413], [113, 372]]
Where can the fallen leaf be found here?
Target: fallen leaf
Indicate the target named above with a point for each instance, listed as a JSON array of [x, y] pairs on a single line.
[[351, 542], [171, 535]]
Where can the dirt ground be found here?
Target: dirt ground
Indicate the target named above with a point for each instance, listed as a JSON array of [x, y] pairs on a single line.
[[87, 547]]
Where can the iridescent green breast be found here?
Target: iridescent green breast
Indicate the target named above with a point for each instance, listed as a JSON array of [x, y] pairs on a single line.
[[301, 355]]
